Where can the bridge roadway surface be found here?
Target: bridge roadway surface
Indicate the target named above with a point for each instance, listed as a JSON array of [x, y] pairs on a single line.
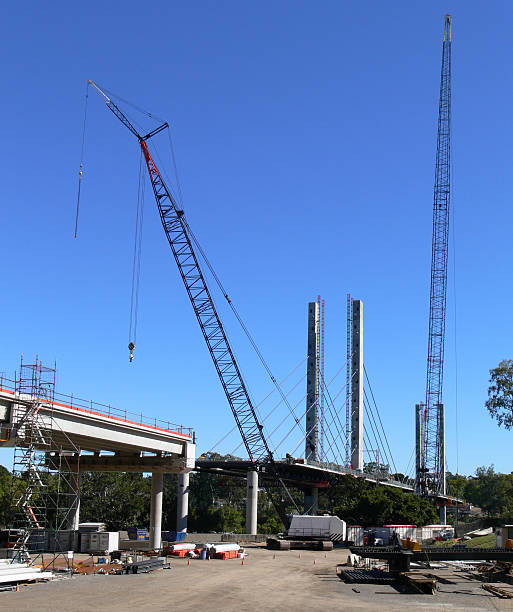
[[139, 444], [310, 474]]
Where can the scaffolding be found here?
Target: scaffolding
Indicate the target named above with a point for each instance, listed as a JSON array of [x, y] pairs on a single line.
[[45, 494]]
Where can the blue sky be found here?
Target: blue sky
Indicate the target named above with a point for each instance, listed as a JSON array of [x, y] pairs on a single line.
[[305, 137]]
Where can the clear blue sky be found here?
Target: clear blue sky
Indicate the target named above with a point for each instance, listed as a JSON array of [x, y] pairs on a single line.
[[305, 136]]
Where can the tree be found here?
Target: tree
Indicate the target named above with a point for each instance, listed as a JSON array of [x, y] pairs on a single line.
[[120, 500], [5, 494], [500, 394], [362, 503]]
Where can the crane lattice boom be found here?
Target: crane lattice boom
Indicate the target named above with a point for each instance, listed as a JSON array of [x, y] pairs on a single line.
[[178, 236], [433, 460]]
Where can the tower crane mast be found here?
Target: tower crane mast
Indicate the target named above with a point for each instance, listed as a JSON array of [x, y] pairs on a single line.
[[431, 479], [180, 240]]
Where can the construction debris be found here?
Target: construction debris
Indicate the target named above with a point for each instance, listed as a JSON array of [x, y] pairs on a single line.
[[499, 592], [423, 583], [498, 567]]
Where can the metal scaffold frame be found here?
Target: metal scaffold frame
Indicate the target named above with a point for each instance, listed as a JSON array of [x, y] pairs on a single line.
[[45, 483]]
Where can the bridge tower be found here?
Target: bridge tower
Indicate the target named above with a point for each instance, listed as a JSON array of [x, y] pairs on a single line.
[[357, 385], [312, 384], [430, 476]]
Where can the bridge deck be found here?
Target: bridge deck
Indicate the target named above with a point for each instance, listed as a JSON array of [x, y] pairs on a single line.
[[90, 426], [307, 474]]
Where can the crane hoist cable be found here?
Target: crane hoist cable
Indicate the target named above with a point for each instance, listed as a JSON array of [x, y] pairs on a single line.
[[81, 167], [136, 264]]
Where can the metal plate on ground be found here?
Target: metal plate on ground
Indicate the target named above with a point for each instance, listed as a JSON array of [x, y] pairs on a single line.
[[361, 576]]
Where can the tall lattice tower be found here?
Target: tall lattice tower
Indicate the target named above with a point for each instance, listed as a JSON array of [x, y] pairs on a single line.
[[430, 476]]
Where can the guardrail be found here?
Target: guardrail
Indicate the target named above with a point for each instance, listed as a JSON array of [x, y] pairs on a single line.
[[106, 410]]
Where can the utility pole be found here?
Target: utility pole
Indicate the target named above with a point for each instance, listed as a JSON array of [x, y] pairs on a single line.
[[430, 477]]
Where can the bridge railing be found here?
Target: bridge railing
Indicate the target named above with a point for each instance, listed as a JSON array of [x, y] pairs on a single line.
[[106, 410], [378, 476]]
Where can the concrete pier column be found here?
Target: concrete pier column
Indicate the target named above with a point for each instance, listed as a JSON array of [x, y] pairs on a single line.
[[157, 485], [312, 384], [252, 502], [311, 503], [74, 515], [182, 502], [357, 387]]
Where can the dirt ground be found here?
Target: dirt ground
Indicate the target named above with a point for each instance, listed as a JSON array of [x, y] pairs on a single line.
[[268, 580]]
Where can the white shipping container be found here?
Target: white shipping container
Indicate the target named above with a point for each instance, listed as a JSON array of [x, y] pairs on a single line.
[[355, 534], [103, 541], [404, 531], [428, 532], [328, 527]]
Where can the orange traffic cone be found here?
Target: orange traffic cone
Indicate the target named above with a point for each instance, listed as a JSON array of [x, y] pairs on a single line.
[[188, 561], [17, 588], [242, 561]]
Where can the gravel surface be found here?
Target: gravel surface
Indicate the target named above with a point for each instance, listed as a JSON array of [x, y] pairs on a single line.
[[268, 580]]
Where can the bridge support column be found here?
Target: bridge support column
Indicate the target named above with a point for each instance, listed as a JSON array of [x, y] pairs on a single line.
[[74, 515], [157, 483], [357, 387], [311, 503], [252, 502], [440, 411], [182, 502]]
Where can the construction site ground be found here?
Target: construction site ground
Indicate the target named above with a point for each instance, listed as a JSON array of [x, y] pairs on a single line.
[[268, 580]]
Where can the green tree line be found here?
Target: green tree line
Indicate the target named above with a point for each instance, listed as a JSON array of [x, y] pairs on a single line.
[[217, 502], [488, 489]]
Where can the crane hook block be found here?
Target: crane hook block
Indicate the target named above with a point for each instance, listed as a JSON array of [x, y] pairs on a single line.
[[131, 348]]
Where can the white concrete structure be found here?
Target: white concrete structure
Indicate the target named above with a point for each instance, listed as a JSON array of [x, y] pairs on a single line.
[[182, 502], [312, 384], [252, 502], [132, 443], [157, 487], [357, 387]]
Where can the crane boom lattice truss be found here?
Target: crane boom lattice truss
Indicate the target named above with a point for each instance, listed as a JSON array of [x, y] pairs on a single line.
[[179, 237], [432, 477]]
